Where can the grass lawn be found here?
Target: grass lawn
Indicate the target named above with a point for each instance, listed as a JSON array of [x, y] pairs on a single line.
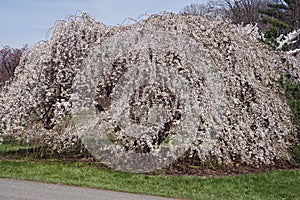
[[8, 148], [271, 185]]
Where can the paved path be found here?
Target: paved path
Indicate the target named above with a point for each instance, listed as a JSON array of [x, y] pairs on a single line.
[[26, 190]]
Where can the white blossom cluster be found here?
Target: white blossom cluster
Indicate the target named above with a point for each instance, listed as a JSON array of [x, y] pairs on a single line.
[[290, 38], [37, 100], [255, 126], [151, 98]]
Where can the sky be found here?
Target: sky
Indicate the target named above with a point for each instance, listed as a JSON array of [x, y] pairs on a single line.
[[28, 21]]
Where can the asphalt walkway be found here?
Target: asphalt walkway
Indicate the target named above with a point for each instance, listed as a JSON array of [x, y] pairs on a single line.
[[11, 189]]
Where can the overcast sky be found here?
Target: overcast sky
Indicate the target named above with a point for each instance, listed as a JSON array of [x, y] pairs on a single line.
[[27, 21]]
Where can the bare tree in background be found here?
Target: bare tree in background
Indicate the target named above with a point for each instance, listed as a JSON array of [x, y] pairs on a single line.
[[243, 11], [212, 10], [237, 11], [193, 9], [9, 60]]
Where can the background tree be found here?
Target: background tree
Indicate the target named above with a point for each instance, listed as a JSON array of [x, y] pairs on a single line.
[[9, 60], [282, 17], [287, 12], [237, 11], [212, 10], [243, 11], [193, 9]]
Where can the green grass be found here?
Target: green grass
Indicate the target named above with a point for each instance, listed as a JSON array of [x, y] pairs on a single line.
[[20, 151], [272, 185], [4, 148], [23, 164], [295, 152]]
